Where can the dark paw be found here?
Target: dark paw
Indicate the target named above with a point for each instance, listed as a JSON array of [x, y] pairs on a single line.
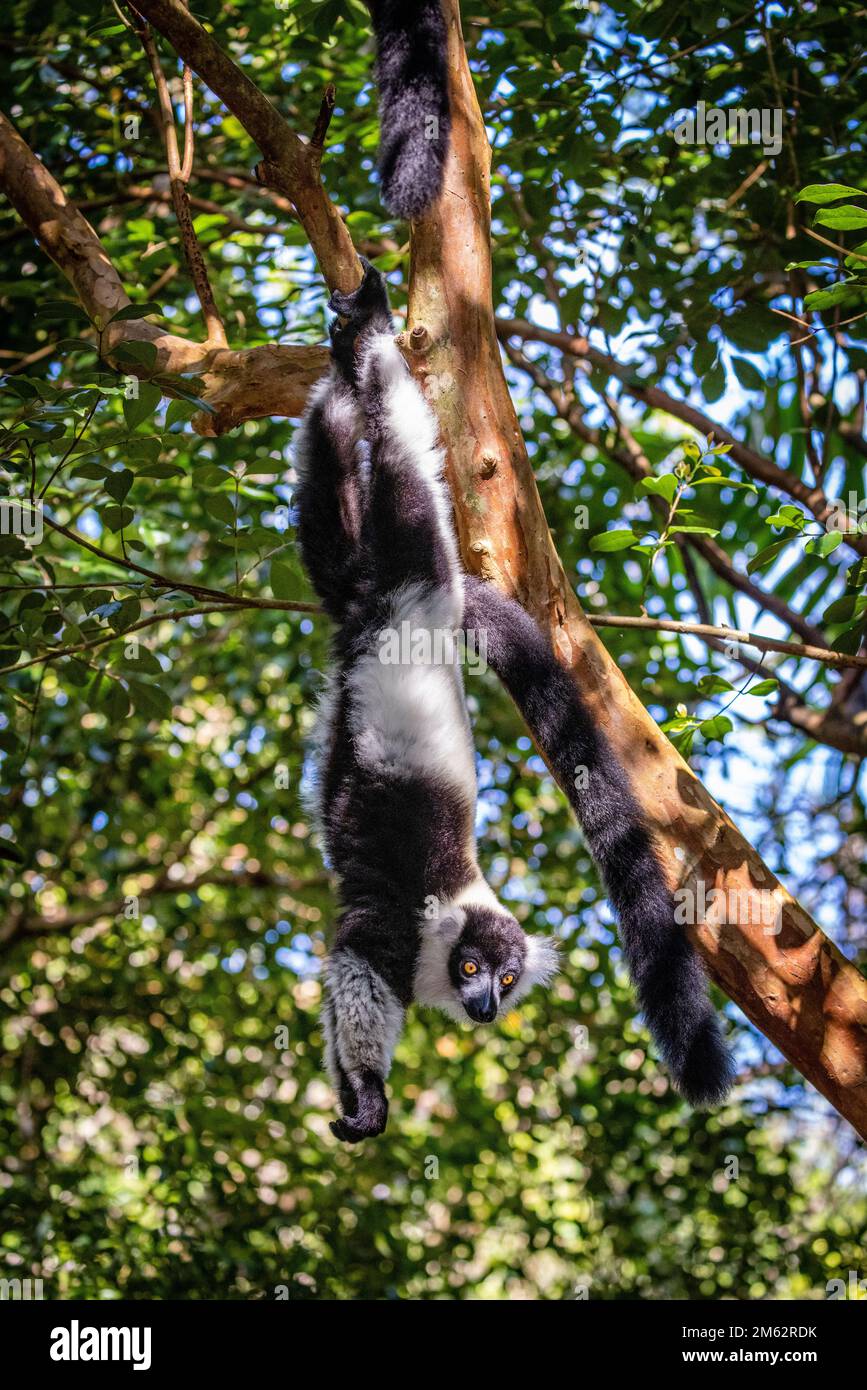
[[352, 1130], [369, 1112]]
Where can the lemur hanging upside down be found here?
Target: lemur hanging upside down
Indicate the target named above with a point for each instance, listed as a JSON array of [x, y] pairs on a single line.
[[396, 779]]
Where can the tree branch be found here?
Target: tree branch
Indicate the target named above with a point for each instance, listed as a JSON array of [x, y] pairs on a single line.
[[172, 615], [754, 463], [794, 984], [272, 380], [730, 634], [288, 164], [179, 174]]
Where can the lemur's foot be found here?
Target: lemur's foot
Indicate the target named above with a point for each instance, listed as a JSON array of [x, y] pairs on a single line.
[[361, 305], [363, 311]]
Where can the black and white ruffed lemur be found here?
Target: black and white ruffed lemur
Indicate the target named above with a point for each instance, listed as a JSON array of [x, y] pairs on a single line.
[[396, 780]]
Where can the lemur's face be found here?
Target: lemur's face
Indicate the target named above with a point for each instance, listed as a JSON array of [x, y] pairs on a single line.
[[488, 963]]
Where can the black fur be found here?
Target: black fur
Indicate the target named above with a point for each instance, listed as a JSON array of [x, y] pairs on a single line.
[[669, 980], [365, 1109], [414, 113], [366, 311]]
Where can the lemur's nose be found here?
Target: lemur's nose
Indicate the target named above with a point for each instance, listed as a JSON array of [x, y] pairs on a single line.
[[482, 1010]]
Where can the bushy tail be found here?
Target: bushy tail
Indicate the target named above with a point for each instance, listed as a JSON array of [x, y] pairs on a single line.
[[668, 976], [413, 102]]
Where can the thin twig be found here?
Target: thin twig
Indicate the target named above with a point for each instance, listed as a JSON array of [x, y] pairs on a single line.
[[323, 120], [731, 634], [162, 581], [173, 615], [859, 255], [179, 173]]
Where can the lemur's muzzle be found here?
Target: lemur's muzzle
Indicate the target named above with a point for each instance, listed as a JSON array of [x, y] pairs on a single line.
[[482, 1008]]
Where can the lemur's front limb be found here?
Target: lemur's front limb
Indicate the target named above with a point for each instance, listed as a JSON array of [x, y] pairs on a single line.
[[363, 1019]]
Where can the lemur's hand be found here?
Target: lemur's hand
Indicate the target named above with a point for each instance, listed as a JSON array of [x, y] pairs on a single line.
[[370, 1115], [363, 311]]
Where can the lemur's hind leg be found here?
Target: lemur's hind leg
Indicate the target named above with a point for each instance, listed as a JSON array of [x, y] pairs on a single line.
[[362, 1019], [407, 525], [331, 491], [409, 517]]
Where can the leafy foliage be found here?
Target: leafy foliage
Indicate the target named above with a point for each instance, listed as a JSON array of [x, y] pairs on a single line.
[[163, 1116]]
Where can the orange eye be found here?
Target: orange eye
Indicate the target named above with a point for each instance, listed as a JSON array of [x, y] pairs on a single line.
[[470, 967], [507, 980]]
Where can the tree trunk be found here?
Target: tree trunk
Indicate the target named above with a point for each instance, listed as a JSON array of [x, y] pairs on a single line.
[[789, 979]]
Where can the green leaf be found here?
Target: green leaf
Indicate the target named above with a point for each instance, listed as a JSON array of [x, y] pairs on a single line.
[[284, 583], [60, 309], [116, 518], [767, 556], [608, 541], [71, 345], [151, 701], [139, 353], [135, 311], [127, 612], [221, 508], [717, 727], [91, 471], [713, 383], [689, 530], [159, 469], [177, 411], [788, 516], [664, 486], [144, 663], [114, 701], [766, 687], [818, 260], [837, 294], [844, 219], [748, 374], [825, 545], [714, 685], [828, 193], [850, 640], [683, 742], [842, 609], [118, 484], [141, 407]]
